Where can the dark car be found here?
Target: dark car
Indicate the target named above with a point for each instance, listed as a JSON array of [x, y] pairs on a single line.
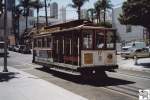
[[26, 50], [21, 48], [11, 47]]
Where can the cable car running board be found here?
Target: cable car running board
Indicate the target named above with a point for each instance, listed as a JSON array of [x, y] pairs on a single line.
[[65, 71]]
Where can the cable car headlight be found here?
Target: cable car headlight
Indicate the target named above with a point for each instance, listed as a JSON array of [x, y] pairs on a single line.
[[109, 56]]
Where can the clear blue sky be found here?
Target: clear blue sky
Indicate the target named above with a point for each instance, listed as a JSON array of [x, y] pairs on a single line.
[[71, 13]]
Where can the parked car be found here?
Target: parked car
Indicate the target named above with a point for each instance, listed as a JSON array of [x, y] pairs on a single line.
[[26, 50], [21, 47], [135, 45], [16, 48], [139, 53], [148, 47], [11, 47], [133, 49]]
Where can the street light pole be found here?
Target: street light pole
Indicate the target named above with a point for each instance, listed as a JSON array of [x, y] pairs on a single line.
[[5, 37]]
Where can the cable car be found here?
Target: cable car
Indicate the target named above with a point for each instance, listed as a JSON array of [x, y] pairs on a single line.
[[84, 48]]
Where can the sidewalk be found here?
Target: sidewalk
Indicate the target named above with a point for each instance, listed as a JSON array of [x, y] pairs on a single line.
[[19, 85], [129, 64]]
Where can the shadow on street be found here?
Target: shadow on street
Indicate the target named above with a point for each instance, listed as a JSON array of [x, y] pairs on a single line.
[[4, 77], [98, 82]]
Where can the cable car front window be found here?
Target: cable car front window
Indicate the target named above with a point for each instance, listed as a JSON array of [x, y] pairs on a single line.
[[99, 39], [110, 40], [87, 39]]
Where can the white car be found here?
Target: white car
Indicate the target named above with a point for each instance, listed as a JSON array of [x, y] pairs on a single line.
[[148, 47], [16, 48], [132, 53]]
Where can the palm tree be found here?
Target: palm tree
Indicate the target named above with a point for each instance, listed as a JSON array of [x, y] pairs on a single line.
[[98, 8], [25, 5], [106, 4], [78, 4], [91, 14], [37, 5]]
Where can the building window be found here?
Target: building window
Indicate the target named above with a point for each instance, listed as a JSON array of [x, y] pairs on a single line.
[[128, 28]]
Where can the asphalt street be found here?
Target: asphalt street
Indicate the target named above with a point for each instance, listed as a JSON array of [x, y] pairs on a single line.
[[120, 85]]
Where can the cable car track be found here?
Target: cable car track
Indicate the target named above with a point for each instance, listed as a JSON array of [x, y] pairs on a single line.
[[134, 75], [126, 90], [122, 89]]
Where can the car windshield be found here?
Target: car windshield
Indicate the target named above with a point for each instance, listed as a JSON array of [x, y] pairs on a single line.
[[125, 48], [129, 44], [1, 45]]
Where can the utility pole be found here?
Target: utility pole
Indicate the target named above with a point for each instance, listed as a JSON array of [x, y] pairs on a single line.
[[5, 37], [46, 12]]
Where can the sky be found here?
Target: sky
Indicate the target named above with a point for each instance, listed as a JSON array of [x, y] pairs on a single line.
[[71, 13]]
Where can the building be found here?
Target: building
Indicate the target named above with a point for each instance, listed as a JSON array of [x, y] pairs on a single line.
[[10, 5], [9, 25], [83, 14], [127, 32], [62, 14], [54, 10]]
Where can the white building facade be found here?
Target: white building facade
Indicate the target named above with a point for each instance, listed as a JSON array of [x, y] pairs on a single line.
[[127, 32]]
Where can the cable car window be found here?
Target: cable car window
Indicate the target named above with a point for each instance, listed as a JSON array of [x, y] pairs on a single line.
[[49, 42], [39, 42], [43, 42], [35, 42], [99, 39], [87, 39], [110, 40], [67, 45]]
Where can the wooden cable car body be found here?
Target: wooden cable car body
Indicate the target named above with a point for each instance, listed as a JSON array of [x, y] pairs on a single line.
[[84, 49]]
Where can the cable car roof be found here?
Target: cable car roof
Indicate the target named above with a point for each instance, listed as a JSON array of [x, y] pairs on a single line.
[[70, 26], [80, 27]]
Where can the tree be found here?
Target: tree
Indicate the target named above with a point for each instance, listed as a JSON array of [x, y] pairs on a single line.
[[98, 8], [25, 5], [37, 5], [105, 4], [78, 4], [136, 12]]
